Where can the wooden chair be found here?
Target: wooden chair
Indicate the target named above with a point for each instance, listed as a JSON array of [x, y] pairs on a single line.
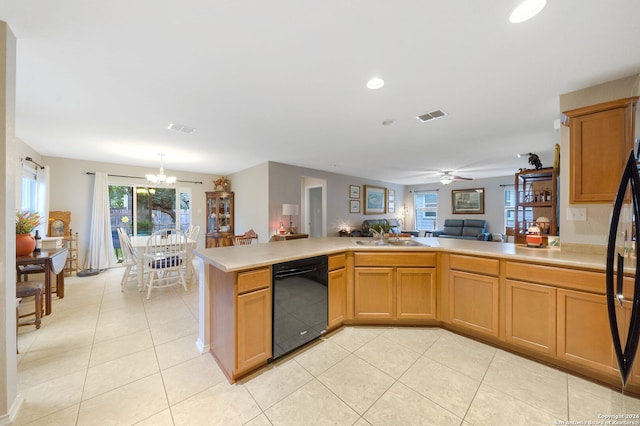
[[129, 260], [31, 289], [165, 259], [244, 239]]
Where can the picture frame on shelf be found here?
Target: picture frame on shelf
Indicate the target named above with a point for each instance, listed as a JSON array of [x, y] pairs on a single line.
[[354, 191], [467, 201], [354, 206], [375, 198]]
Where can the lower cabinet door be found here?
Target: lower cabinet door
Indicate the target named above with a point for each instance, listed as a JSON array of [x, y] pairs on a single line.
[[531, 316], [337, 298], [253, 341], [415, 293], [584, 336], [473, 302], [373, 293]]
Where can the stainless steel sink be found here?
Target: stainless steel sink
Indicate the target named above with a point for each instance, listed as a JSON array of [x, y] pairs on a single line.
[[397, 243]]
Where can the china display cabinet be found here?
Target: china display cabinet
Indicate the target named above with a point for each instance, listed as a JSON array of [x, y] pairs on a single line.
[[536, 202], [219, 218]]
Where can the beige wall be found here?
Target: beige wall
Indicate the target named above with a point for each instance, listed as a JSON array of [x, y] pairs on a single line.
[[72, 190], [493, 200], [595, 229]]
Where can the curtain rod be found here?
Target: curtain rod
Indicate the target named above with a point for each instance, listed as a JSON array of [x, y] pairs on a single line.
[[138, 177], [502, 185], [29, 159]]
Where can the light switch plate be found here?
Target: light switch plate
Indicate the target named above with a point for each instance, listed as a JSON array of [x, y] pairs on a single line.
[[577, 214]]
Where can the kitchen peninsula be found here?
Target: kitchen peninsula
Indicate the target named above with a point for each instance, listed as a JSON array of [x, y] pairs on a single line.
[[544, 304]]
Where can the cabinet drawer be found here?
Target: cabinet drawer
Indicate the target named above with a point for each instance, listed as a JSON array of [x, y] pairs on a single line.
[[559, 277], [337, 261], [253, 280], [479, 265], [395, 259]]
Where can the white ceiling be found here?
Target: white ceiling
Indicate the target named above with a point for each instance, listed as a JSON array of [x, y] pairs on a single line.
[[285, 81]]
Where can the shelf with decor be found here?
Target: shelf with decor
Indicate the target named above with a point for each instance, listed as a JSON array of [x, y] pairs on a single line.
[[219, 218], [536, 202]]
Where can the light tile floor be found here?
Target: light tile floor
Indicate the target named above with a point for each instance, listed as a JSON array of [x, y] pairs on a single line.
[[108, 357]]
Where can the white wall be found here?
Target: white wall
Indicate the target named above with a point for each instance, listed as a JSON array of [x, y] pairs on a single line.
[[595, 229], [9, 399], [493, 201], [251, 201], [72, 190]]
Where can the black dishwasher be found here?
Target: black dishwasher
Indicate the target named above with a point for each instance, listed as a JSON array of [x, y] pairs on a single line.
[[299, 303]]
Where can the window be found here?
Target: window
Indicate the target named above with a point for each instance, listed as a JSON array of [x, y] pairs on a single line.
[[509, 207], [426, 210], [141, 210]]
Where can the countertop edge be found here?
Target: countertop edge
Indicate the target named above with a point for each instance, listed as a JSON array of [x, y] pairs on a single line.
[[231, 259]]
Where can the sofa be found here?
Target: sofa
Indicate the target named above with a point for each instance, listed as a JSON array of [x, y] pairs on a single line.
[[466, 229]]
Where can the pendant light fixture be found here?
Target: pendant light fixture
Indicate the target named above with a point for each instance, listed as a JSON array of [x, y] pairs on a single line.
[[161, 179]]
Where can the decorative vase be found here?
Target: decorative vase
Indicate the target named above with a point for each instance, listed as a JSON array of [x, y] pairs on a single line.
[[25, 244]]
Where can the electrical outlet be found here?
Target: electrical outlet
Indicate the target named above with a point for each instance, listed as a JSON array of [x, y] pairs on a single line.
[[577, 214]]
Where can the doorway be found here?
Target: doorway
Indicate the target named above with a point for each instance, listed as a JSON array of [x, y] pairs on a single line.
[[315, 210]]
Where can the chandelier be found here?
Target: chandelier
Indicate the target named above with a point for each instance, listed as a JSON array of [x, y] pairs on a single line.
[[161, 179]]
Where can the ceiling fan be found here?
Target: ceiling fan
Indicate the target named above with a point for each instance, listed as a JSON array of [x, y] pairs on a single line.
[[447, 178]]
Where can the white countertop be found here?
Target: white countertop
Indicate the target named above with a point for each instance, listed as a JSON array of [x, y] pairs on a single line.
[[237, 258]]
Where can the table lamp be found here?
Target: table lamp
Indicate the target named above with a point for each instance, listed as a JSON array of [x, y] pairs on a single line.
[[290, 210]]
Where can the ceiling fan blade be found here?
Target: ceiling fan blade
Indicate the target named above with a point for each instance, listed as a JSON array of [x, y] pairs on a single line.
[[462, 178]]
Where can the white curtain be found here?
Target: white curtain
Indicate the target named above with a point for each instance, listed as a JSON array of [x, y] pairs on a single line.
[[42, 198], [101, 254]]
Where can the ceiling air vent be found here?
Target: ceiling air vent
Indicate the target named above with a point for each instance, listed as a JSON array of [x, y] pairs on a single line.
[[181, 128], [439, 113]]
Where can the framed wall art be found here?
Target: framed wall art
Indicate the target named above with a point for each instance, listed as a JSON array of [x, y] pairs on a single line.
[[354, 206], [467, 201], [375, 198], [354, 191]]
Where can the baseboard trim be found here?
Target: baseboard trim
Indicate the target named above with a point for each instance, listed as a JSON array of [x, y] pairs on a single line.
[[9, 418]]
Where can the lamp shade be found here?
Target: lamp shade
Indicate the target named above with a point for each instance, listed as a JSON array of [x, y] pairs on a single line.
[[290, 209]]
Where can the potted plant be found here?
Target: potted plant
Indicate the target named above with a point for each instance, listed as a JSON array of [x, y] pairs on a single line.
[[380, 231], [26, 222]]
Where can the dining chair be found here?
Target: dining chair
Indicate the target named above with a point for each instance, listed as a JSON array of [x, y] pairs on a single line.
[[192, 235], [33, 289], [165, 259], [244, 239], [129, 260]]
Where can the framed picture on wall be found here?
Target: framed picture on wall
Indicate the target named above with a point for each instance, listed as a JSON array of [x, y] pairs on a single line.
[[467, 201], [375, 198], [354, 206], [354, 191]]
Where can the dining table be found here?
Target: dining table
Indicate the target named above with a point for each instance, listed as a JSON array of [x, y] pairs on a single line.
[[139, 244], [53, 262]]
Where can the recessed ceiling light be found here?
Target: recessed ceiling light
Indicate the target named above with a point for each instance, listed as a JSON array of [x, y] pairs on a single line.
[[181, 128], [526, 10], [375, 83]]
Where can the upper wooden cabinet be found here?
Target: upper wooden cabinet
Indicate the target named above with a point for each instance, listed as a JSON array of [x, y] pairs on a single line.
[[219, 218], [600, 141]]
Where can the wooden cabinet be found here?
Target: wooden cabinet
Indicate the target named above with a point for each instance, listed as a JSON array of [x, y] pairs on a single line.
[[584, 337], [219, 218], [536, 197], [474, 293], [415, 293], [337, 309], [240, 321], [395, 286], [530, 316], [601, 138], [254, 328]]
